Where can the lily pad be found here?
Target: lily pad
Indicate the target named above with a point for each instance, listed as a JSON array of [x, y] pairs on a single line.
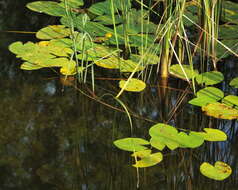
[[48, 7], [177, 71], [219, 171], [212, 134], [133, 85], [210, 78], [150, 160], [221, 111], [169, 136], [230, 12], [231, 100], [52, 32], [234, 82], [142, 153], [131, 144]]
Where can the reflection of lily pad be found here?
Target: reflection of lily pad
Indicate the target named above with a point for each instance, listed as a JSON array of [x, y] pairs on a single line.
[[133, 85], [220, 171], [221, 111], [210, 78], [178, 71], [131, 144], [150, 160], [234, 82]]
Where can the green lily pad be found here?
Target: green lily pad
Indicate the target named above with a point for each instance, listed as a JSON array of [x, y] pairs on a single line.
[[231, 100], [227, 32], [220, 171], [30, 66], [73, 3], [52, 32], [131, 144], [133, 85], [222, 52], [142, 153], [69, 68], [169, 136], [211, 92], [47, 7], [234, 82], [177, 71], [212, 134], [230, 12], [202, 101], [150, 160], [221, 111], [158, 144], [210, 78]]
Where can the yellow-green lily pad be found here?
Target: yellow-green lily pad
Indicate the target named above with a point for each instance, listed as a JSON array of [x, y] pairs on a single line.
[[183, 72], [221, 111], [133, 85], [150, 160], [212, 134], [131, 144], [210, 78], [234, 82], [219, 171], [53, 32]]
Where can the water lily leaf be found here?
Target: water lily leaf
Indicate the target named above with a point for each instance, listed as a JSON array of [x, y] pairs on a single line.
[[210, 78], [222, 52], [220, 171], [212, 134], [221, 111], [142, 153], [73, 3], [157, 143], [234, 82], [48, 7], [146, 58], [169, 136], [150, 160], [119, 63], [52, 32], [230, 12], [133, 85], [177, 71], [202, 101], [69, 68], [30, 66], [227, 32], [131, 144], [231, 100], [211, 92], [107, 19]]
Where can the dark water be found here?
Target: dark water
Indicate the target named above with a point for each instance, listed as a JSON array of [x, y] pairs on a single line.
[[55, 138]]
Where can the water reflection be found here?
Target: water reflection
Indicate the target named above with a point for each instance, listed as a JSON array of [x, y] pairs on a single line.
[[54, 137]]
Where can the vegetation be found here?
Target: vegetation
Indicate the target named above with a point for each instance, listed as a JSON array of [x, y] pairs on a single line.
[[144, 38]]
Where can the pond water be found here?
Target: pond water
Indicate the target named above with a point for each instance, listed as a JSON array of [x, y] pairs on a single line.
[[54, 137]]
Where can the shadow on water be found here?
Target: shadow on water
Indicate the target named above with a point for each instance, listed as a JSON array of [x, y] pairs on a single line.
[[54, 137]]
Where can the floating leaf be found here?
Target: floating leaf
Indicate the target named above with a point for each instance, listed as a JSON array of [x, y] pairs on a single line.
[[52, 32], [142, 153], [73, 3], [133, 85], [211, 92], [207, 95], [30, 66], [231, 100], [220, 171], [230, 12], [150, 160], [212, 134], [221, 111], [119, 63], [234, 82], [210, 78], [228, 31], [223, 52], [169, 136], [177, 71], [158, 144], [131, 144], [69, 68], [48, 7]]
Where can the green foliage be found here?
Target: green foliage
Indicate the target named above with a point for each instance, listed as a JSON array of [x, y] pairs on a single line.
[[219, 171], [234, 82], [53, 32], [183, 71], [210, 78], [163, 135], [132, 85]]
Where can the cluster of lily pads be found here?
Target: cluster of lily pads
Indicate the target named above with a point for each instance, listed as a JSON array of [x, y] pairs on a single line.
[[162, 136]]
